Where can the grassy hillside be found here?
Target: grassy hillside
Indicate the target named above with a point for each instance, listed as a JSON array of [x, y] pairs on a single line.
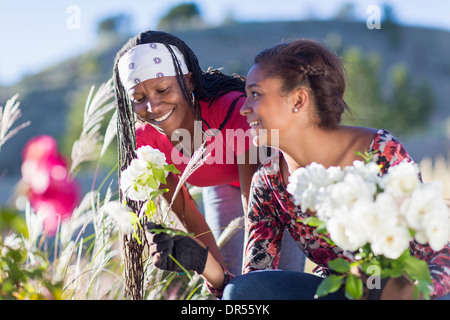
[[47, 97]]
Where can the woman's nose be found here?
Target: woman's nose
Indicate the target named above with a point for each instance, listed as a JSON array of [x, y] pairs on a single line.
[[245, 109], [149, 106]]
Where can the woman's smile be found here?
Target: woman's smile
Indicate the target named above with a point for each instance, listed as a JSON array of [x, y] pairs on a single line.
[[164, 117], [254, 124]]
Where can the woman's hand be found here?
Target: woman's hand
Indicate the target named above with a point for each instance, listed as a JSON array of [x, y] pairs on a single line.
[[170, 251], [398, 289], [390, 288]]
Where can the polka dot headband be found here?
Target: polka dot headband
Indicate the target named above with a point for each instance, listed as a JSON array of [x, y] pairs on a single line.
[[148, 61]]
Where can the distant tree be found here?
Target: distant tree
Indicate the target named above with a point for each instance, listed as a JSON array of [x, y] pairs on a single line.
[[118, 24], [229, 19], [346, 12], [395, 104], [390, 25], [182, 17]]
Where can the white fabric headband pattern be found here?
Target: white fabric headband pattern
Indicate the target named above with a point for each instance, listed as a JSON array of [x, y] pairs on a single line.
[[148, 61]]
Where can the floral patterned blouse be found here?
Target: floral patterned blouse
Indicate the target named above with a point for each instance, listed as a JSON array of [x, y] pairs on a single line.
[[271, 210]]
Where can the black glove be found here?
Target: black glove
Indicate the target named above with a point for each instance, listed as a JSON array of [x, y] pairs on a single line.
[[183, 249]]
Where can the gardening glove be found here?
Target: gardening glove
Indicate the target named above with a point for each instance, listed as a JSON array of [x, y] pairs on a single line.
[[185, 250]]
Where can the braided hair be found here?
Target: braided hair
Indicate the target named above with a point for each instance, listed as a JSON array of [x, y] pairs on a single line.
[[208, 86]]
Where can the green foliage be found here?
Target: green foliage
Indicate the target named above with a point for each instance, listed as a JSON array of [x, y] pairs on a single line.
[[19, 279], [339, 265], [353, 287], [181, 17], [9, 219], [329, 285], [118, 24], [185, 10], [390, 26], [364, 261], [399, 104]]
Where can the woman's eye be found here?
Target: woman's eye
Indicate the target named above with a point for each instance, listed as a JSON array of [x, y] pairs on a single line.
[[255, 95], [163, 90], [138, 100]]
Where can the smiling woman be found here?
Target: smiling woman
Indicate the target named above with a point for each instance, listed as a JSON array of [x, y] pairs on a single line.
[[296, 87], [158, 80]]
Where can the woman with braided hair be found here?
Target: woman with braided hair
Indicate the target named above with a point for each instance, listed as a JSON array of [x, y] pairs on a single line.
[[178, 106], [297, 87]]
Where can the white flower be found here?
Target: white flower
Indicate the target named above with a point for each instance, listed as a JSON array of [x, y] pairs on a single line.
[[137, 181], [344, 194], [308, 184], [130, 180], [387, 211], [436, 231], [153, 156], [367, 171], [424, 201], [402, 179], [349, 231], [360, 206], [391, 241]]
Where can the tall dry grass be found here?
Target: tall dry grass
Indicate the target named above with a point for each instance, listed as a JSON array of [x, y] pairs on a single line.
[[437, 170], [8, 116]]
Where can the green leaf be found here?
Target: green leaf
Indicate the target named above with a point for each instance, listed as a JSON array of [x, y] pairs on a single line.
[[367, 156], [392, 273], [151, 209], [159, 175], [329, 285], [312, 222], [353, 287], [422, 287], [156, 193], [152, 183], [12, 219], [322, 229], [417, 269], [339, 265], [171, 168]]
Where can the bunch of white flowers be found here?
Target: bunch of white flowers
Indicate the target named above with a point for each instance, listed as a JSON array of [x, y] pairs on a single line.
[[141, 181], [145, 174], [359, 206]]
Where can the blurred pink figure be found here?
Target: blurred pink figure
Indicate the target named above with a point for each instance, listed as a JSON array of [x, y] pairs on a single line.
[[50, 191]]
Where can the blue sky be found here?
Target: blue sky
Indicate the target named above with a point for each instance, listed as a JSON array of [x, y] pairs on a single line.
[[34, 33]]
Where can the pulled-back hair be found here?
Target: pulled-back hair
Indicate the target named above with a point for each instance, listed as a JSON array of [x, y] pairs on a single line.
[[208, 86], [308, 63]]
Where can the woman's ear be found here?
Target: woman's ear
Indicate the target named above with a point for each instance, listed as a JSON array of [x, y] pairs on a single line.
[[189, 81], [300, 99]]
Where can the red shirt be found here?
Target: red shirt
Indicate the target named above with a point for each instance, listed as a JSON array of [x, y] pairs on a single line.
[[222, 165]]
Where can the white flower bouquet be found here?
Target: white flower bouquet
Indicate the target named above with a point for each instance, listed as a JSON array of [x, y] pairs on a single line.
[[374, 217], [141, 181]]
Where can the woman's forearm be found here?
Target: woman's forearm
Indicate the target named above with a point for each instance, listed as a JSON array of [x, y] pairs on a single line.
[[213, 273]]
